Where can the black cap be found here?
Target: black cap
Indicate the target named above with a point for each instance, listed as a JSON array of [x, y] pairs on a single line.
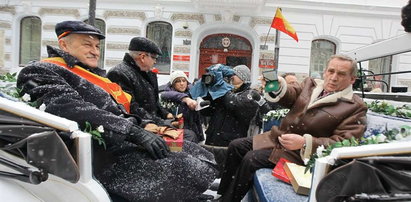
[[78, 27], [144, 44]]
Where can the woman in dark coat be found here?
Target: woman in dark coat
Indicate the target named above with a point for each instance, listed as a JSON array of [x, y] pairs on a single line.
[[176, 96], [232, 113]]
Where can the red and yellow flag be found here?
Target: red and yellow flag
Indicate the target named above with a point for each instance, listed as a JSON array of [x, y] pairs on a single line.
[[280, 23]]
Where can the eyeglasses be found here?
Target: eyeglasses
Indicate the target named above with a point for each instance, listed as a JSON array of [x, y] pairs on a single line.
[[154, 57]]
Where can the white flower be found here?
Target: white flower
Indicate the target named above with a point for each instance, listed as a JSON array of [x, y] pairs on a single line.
[[381, 138], [320, 150], [100, 129], [398, 136], [26, 97], [42, 107]]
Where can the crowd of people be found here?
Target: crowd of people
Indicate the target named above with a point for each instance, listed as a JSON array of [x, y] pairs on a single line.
[[137, 165]]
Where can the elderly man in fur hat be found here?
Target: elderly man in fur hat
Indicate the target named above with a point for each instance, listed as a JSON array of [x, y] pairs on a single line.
[[135, 165], [134, 75]]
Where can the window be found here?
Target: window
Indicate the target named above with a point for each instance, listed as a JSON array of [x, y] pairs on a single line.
[[30, 39], [321, 51], [101, 25], [379, 66], [161, 33]]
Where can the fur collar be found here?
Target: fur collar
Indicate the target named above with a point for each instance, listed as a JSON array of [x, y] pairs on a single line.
[[346, 94]]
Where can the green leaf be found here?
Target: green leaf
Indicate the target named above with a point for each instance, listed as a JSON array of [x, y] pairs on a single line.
[[95, 133], [346, 143], [338, 144], [354, 142], [88, 127]]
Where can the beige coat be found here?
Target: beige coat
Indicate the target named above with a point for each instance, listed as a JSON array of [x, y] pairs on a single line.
[[336, 117]]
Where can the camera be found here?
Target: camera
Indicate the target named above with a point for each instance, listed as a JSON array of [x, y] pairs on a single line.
[[208, 79]]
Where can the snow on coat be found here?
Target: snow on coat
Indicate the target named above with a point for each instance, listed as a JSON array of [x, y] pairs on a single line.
[[124, 168]]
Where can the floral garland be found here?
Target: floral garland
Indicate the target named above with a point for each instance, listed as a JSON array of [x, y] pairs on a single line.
[[8, 85], [377, 138], [382, 107], [275, 114], [169, 105]]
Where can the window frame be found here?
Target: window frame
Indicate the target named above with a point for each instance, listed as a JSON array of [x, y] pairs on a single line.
[[166, 57], [324, 59], [33, 55]]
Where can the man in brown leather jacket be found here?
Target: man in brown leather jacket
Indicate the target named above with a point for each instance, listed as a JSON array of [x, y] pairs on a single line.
[[321, 112]]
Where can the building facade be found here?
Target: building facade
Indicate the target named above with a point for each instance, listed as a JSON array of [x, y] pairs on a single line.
[[194, 34]]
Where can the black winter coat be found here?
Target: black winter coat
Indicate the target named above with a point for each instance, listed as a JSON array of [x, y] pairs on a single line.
[[141, 85], [67, 95], [230, 116]]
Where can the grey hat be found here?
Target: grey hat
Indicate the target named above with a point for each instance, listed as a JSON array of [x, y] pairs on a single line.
[[243, 72], [76, 27], [144, 44]]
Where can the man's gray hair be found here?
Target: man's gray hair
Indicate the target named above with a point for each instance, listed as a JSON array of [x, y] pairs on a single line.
[[134, 54], [68, 39], [345, 58]]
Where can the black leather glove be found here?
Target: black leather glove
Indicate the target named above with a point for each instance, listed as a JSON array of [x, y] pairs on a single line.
[[153, 143], [144, 122], [168, 123]]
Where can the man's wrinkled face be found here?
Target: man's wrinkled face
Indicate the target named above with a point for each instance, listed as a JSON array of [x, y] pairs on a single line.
[[338, 75], [86, 48], [147, 61]]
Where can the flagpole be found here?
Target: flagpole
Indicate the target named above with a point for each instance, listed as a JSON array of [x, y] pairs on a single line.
[[266, 37], [277, 47]]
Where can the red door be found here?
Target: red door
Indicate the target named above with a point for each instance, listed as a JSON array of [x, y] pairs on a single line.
[[213, 50]]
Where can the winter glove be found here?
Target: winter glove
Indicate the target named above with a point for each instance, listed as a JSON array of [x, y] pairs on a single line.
[[168, 123], [145, 122], [153, 143]]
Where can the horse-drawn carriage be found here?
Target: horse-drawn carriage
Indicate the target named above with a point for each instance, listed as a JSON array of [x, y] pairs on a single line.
[[44, 157]]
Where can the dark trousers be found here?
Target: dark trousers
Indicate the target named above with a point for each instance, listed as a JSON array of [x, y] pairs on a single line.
[[239, 168], [189, 135]]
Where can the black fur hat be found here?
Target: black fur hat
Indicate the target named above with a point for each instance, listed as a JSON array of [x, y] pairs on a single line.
[[144, 44]]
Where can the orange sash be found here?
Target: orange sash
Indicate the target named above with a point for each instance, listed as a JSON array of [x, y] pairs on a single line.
[[113, 89]]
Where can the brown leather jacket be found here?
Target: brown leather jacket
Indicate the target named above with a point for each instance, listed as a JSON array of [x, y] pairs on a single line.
[[338, 116]]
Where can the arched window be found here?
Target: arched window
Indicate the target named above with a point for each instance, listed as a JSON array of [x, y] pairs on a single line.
[[161, 33], [30, 39], [101, 25], [321, 51]]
